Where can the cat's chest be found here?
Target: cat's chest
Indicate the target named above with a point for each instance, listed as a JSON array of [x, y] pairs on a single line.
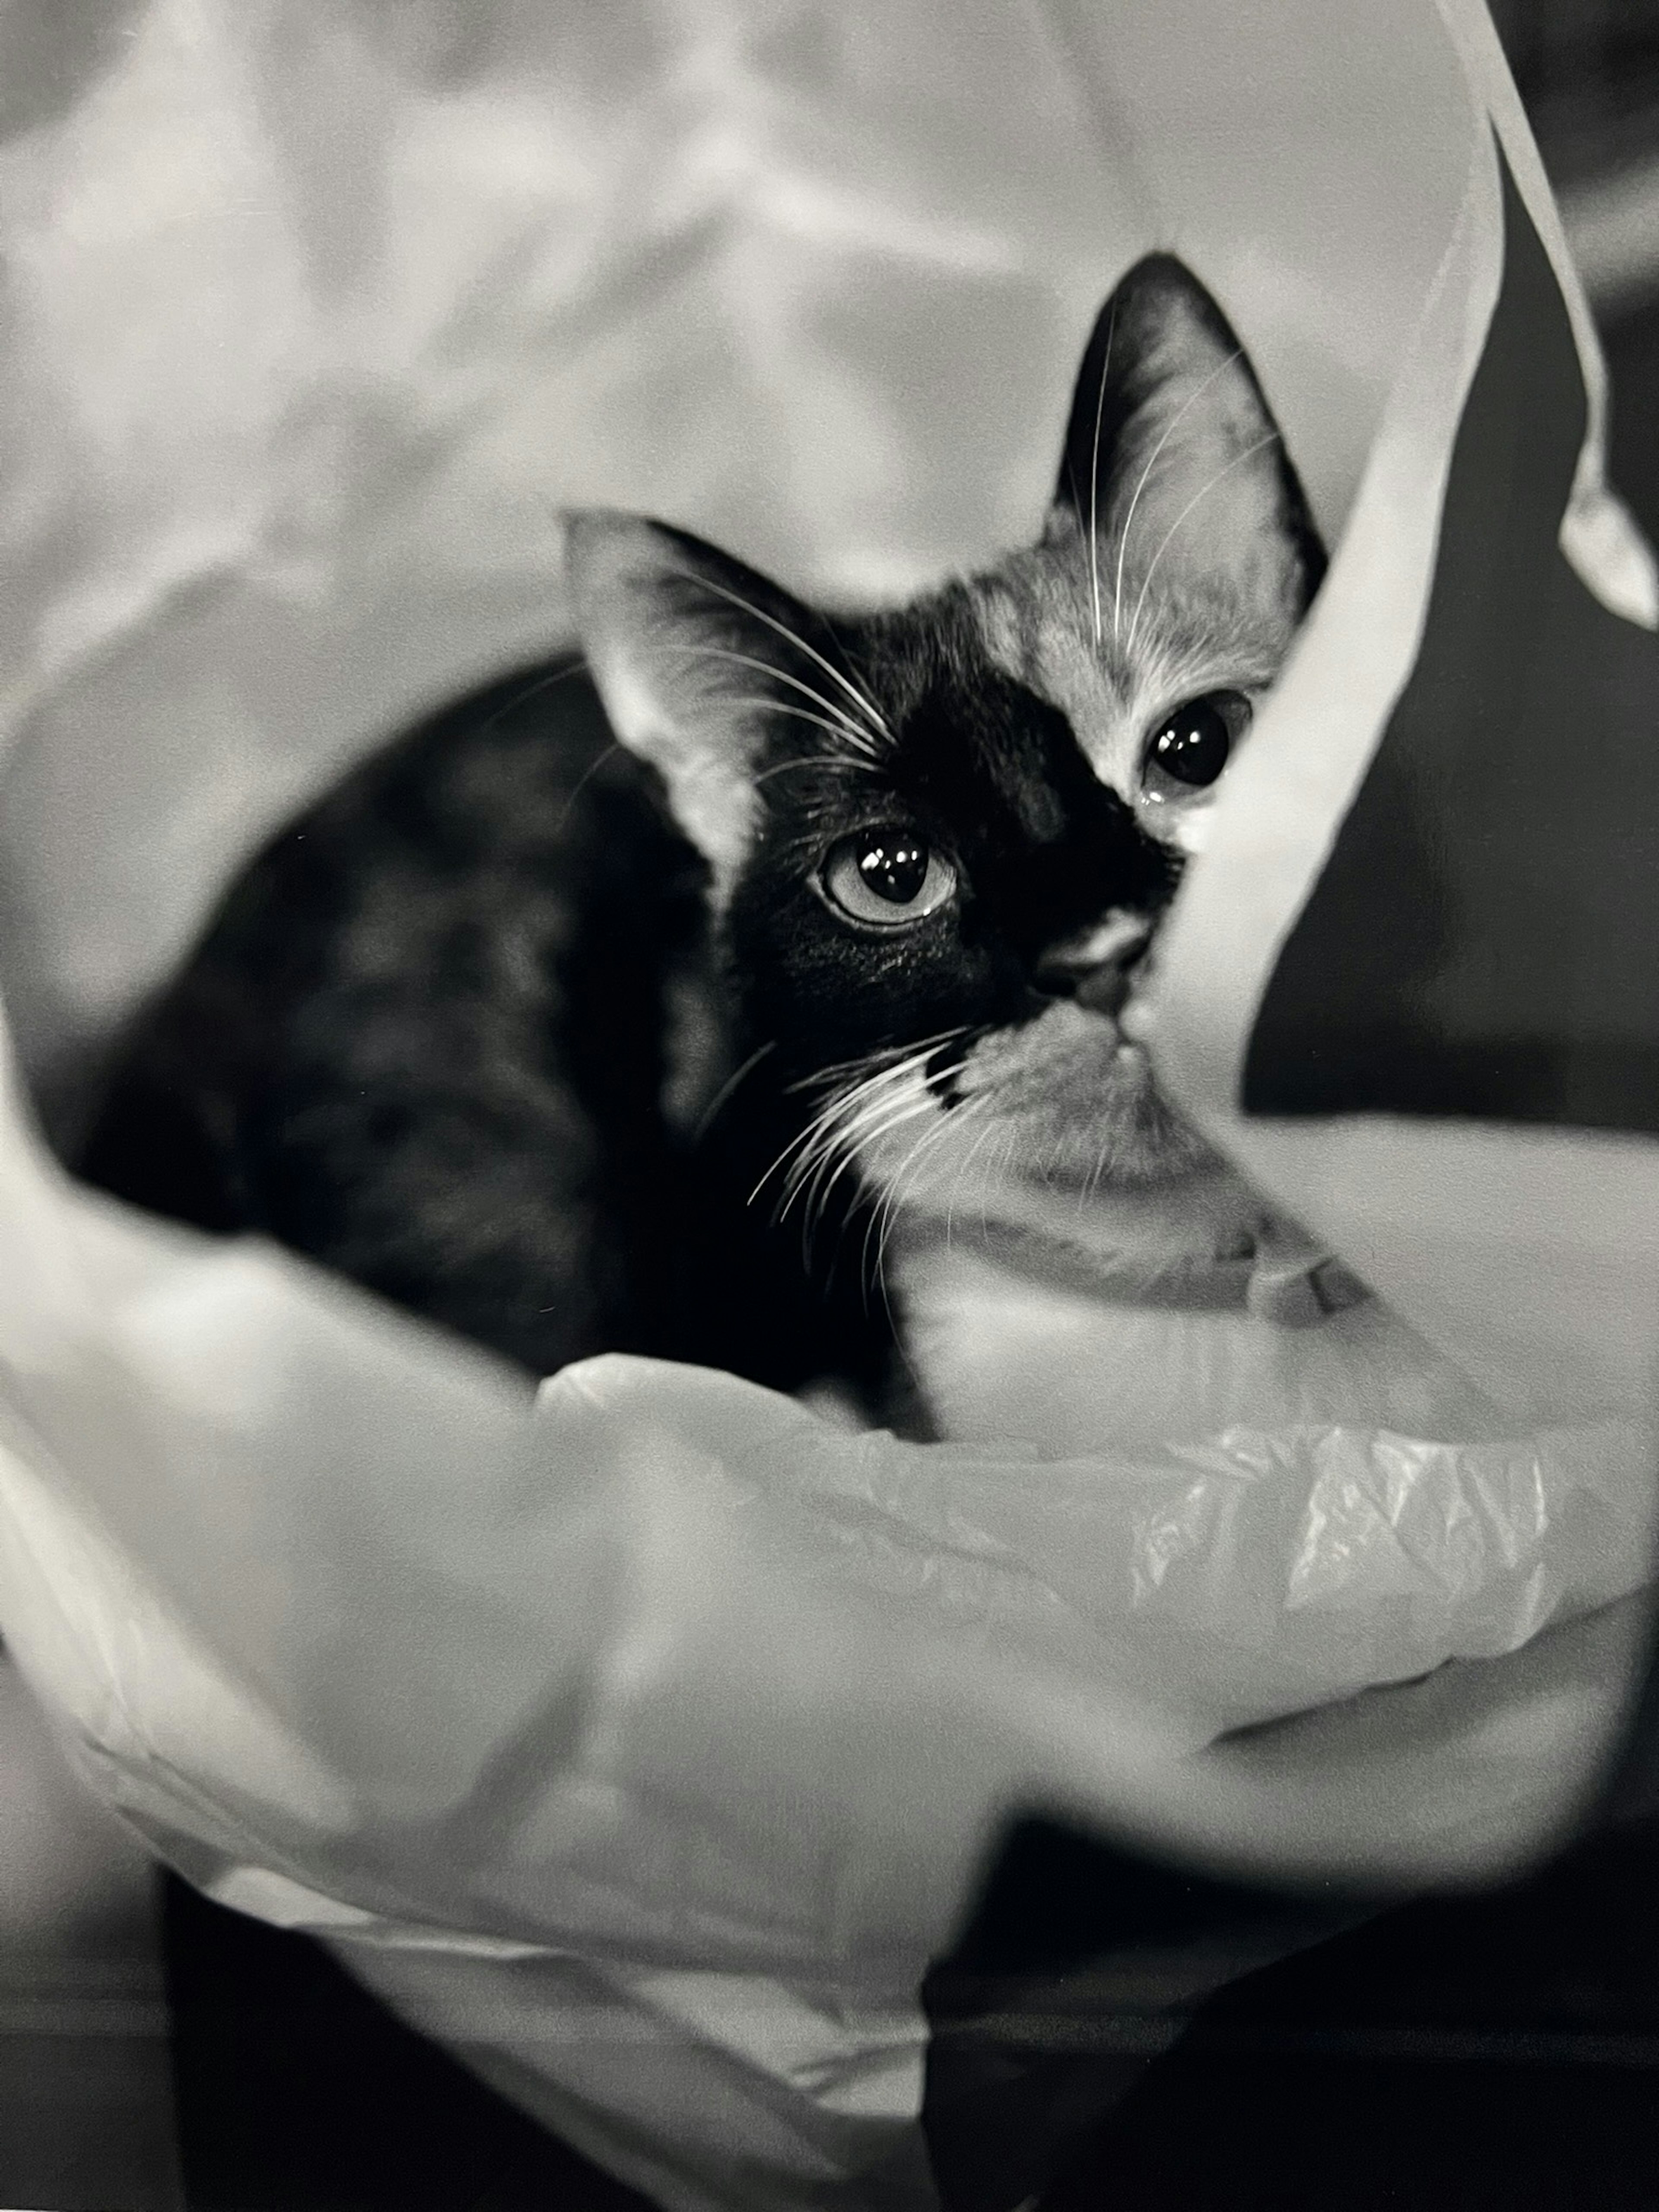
[[1003, 1349]]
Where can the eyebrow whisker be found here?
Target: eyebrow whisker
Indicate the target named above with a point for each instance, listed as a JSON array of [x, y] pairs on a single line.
[[1269, 438], [861, 739], [1169, 429], [1094, 472], [861, 698]]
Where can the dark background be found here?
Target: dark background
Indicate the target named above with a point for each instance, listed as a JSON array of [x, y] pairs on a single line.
[[1589, 71]]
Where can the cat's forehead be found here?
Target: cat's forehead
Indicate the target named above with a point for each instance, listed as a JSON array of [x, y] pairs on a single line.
[[1114, 649], [956, 716]]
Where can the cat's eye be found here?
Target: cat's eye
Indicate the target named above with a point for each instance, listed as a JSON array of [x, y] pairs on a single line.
[[886, 876], [1188, 751]]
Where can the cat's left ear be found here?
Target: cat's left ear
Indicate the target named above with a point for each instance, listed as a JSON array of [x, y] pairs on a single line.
[[689, 650], [1173, 459]]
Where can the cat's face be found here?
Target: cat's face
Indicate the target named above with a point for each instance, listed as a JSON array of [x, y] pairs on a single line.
[[940, 839]]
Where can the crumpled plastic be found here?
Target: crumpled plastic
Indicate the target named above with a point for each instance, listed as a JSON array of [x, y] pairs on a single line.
[[643, 1739], [1224, 1581]]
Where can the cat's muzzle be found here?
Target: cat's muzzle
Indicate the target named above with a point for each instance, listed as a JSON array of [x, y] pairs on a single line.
[[1097, 967]]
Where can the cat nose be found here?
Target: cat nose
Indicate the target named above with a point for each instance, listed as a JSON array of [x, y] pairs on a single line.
[[1097, 966]]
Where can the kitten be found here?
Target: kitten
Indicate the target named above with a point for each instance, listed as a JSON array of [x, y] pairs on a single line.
[[668, 1046]]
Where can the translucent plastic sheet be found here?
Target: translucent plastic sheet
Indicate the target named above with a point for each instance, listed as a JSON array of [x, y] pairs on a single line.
[[643, 1739]]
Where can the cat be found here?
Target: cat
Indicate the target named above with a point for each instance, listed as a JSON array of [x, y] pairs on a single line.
[[723, 996]]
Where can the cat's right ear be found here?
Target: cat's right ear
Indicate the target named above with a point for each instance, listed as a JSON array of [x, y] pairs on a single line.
[[686, 647]]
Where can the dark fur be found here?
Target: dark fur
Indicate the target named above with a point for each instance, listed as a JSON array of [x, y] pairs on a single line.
[[425, 1040]]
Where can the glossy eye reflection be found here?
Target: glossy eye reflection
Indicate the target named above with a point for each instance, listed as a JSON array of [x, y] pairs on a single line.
[[887, 877], [1190, 748]]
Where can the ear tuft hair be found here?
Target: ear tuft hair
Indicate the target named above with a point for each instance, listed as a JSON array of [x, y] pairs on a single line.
[[688, 649], [1172, 456]]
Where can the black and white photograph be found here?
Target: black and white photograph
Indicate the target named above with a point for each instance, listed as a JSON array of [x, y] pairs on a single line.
[[829, 1105]]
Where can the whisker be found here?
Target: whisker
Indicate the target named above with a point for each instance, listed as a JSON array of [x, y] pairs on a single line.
[[889, 1088], [816, 1141], [1179, 415], [723, 1097], [904, 1177], [833, 765], [868, 1094], [909, 1171], [812, 1133], [859, 1115], [948, 1124], [884, 1058], [973, 1151], [885, 1221], [861, 1119], [861, 739], [839, 1159], [582, 781], [837, 769], [984, 1222], [903, 1181], [575, 665], [874, 1272], [1102, 1154], [860, 698], [1094, 473], [1269, 438], [824, 1184], [1010, 1145], [836, 728]]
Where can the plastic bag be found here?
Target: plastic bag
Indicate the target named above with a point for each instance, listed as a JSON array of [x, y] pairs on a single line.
[[643, 1742]]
